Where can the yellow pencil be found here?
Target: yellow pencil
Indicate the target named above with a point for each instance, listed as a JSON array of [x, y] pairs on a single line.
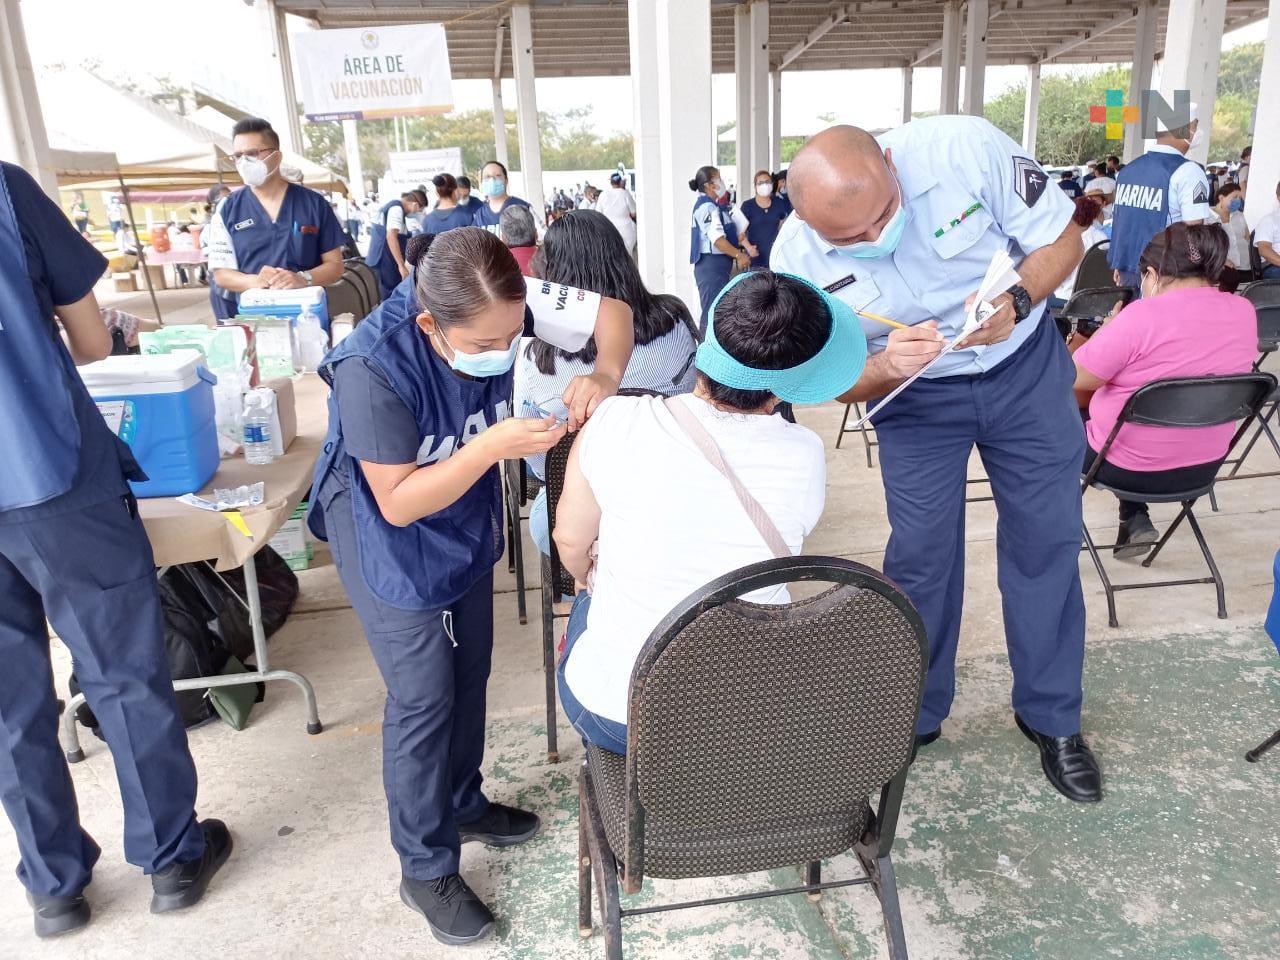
[[885, 320]]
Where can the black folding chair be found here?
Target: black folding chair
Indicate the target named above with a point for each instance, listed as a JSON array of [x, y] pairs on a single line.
[[868, 432], [1265, 297], [1088, 307], [1178, 403], [1094, 270], [755, 736]]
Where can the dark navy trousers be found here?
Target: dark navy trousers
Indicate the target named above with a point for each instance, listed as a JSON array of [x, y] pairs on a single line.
[[711, 273], [91, 572], [1023, 419], [435, 664]]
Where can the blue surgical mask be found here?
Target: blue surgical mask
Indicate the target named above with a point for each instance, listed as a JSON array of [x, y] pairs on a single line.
[[884, 244], [1236, 205], [492, 186], [488, 363]]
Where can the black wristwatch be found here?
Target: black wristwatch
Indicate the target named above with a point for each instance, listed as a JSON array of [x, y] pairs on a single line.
[[1021, 303]]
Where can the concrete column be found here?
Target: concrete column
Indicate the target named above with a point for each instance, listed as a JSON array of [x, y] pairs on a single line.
[[23, 139], [908, 81], [1264, 168], [286, 121], [759, 74], [499, 125], [355, 169], [975, 56], [775, 126], [1147, 26], [1031, 111], [1192, 47], [527, 108], [651, 185], [742, 63], [950, 102], [684, 115]]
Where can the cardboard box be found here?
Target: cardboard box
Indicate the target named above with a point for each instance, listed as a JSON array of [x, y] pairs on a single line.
[[124, 282], [291, 540], [285, 405]]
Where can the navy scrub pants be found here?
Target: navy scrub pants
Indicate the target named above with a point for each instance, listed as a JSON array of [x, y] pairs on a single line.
[[711, 273], [1023, 418], [435, 664], [91, 572]]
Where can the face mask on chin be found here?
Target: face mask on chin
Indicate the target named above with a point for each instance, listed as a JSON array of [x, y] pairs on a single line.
[[886, 243]]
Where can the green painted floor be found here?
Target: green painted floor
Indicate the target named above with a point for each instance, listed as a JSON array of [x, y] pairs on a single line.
[[1179, 861]]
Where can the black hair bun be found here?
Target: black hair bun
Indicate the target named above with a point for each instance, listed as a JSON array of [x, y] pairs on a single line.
[[693, 184]]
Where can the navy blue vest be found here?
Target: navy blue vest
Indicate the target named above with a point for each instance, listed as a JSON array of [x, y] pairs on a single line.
[[1142, 207], [39, 432], [378, 233], [695, 235], [430, 563]]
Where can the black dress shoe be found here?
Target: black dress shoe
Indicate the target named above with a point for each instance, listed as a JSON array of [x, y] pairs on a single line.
[[1068, 763], [501, 826], [55, 915], [1135, 538], [181, 885], [923, 740], [452, 911]]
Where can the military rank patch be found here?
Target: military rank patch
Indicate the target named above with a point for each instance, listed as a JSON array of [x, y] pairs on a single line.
[[1028, 180]]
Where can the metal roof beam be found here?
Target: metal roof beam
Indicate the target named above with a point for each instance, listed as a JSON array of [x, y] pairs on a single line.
[[1094, 32], [839, 16], [997, 11]]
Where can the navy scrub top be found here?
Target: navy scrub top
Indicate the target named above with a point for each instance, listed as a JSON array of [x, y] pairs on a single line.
[[763, 226], [64, 267], [485, 217], [438, 221], [305, 229]]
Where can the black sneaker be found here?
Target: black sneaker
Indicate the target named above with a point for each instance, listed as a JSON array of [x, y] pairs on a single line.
[[452, 911], [1135, 537], [56, 915], [181, 885], [501, 826]]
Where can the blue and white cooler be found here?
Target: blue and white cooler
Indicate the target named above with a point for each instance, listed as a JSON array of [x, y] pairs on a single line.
[[286, 303], [162, 407]]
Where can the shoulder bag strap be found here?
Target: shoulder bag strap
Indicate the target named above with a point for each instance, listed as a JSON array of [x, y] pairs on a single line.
[[688, 422]]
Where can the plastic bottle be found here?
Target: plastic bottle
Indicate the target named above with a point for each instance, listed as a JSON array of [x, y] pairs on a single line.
[[257, 431]]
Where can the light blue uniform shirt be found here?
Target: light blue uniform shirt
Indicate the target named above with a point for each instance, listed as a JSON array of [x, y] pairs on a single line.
[[969, 191]]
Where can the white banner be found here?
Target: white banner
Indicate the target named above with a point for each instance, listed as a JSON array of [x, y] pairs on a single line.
[[414, 168], [374, 72]]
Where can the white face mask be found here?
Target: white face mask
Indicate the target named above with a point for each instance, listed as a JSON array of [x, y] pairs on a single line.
[[253, 170], [718, 186], [764, 189], [1197, 138]]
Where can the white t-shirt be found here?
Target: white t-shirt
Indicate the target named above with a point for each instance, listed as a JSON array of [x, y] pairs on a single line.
[[1237, 235], [1268, 230], [670, 522], [619, 206], [395, 219]]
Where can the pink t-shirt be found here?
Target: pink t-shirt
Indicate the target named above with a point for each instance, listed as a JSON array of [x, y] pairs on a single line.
[[1191, 332]]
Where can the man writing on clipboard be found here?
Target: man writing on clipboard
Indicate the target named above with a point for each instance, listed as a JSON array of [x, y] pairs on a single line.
[[905, 228]]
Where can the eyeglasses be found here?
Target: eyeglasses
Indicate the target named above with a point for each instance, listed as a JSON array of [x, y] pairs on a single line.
[[253, 154]]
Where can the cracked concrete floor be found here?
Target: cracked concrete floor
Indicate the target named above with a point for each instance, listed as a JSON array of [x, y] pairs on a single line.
[[1180, 861]]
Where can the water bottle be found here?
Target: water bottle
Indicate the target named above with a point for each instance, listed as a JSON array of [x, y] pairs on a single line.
[[311, 339], [257, 432]]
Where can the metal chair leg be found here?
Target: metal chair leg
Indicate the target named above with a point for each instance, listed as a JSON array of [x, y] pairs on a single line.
[[843, 421], [584, 860], [549, 657], [1254, 755], [605, 866], [887, 888], [1155, 551], [1208, 558], [517, 549], [812, 877], [866, 438], [1106, 581]]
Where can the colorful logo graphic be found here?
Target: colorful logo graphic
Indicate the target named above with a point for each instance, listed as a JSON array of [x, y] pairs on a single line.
[[1115, 114]]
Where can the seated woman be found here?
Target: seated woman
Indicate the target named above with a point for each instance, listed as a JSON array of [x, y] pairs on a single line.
[[664, 519], [584, 249], [520, 234], [1183, 326]]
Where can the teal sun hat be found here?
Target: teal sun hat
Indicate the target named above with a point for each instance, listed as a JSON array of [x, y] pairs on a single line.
[[830, 372]]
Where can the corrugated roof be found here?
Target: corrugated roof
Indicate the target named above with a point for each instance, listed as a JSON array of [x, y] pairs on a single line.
[[589, 37]]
